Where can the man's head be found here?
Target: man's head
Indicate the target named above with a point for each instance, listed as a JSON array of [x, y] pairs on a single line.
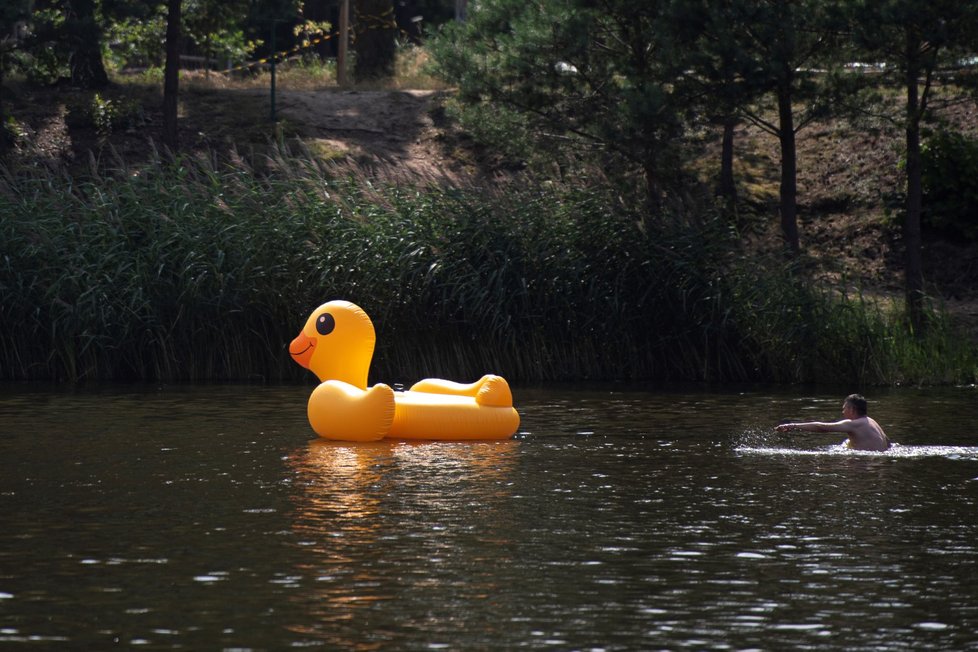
[[857, 404]]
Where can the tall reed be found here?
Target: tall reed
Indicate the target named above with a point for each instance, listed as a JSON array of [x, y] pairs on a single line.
[[190, 268]]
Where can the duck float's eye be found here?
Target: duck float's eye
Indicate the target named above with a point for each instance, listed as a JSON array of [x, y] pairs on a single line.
[[325, 323]]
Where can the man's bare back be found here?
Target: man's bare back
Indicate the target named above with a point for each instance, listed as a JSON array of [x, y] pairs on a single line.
[[866, 435]]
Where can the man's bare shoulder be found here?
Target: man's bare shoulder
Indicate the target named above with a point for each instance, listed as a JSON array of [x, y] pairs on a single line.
[[871, 424], [846, 425]]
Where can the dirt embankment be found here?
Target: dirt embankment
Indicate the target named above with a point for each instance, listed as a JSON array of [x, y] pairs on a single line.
[[384, 128]]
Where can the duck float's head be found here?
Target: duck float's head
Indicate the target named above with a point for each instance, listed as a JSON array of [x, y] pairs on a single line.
[[336, 343]]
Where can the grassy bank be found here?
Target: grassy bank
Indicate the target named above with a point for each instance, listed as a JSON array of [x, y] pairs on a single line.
[[194, 269]]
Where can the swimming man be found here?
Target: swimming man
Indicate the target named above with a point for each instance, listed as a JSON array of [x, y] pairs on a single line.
[[864, 433]]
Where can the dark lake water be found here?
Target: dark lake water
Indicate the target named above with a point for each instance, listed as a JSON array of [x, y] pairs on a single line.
[[210, 517]]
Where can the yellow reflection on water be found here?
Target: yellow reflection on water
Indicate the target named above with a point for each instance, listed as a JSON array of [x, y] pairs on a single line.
[[341, 479], [368, 516]]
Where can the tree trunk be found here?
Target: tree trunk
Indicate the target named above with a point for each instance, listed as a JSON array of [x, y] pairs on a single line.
[[789, 170], [84, 45], [3, 118], [374, 44], [171, 74], [913, 261], [653, 188], [727, 189], [3, 62]]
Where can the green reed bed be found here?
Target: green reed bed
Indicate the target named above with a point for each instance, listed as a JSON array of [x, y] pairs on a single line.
[[193, 269], [804, 333]]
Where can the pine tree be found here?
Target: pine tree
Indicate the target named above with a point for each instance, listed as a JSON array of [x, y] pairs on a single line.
[[786, 44], [917, 41]]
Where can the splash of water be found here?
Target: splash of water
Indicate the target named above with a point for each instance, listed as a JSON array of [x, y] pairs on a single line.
[[895, 451], [757, 437]]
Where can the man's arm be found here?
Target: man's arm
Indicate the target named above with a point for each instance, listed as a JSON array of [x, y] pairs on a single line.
[[818, 426]]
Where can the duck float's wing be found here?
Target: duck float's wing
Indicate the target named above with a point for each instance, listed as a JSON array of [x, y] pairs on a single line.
[[490, 390], [340, 411]]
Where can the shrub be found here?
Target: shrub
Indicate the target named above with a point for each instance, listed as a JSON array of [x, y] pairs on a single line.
[[950, 184], [104, 114]]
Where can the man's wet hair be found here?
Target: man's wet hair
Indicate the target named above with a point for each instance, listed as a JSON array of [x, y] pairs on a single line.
[[859, 403]]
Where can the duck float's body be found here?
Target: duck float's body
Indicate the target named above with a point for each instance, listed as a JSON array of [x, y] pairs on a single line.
[[337, 344]]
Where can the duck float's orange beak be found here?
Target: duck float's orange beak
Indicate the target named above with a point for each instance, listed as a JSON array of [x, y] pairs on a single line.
[[302, 348]]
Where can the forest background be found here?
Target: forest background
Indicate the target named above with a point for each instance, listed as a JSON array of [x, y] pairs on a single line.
[[558, 190]]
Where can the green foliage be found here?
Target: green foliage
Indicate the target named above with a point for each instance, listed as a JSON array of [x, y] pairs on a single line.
[[39, 64], [213, 29], [191, 268], [804, 333], [949, 173], [104, 114], [133, 34], [136, 42], [216, 29], [502, 130], [920, 41], [776, 47], [13, 16], [43, 66], [582, 76], [945, 27], [12, 133]]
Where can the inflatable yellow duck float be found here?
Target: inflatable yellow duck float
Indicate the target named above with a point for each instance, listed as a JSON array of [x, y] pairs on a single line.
[[337, 344]]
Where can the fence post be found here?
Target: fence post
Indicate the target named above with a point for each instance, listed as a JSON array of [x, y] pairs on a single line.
[[272, 60], [344, 40]]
